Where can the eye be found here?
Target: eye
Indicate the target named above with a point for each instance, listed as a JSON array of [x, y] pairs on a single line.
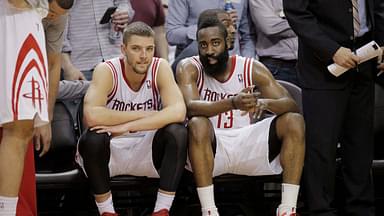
[[203, 45], [226, 24], [216, 43], [135, 48], [149, 49]]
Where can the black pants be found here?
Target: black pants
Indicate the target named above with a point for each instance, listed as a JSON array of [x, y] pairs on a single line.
[[342, 116], [169, 154]]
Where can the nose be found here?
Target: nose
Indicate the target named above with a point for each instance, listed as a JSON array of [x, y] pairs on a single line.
[[143, 53], [210, 50], [232, 29]]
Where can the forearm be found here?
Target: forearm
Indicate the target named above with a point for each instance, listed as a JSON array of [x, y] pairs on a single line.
[[161, 42], [19, 3], [54, 77], [168, 115], [280, 106], [66, 61], [208, 108], [99, 115]]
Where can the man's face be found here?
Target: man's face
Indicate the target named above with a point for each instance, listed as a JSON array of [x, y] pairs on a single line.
[[212, 50], [139, 52], [55, 11], [231, 30]]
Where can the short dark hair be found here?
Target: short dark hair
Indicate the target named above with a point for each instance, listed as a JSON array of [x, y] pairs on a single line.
[[137, 28], [65, 4], [210, 13], [211, 21]]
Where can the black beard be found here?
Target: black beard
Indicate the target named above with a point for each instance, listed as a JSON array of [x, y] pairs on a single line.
[[219, 67]]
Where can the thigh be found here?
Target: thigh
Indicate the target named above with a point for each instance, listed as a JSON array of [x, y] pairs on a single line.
[[245, 150], [133, 155]]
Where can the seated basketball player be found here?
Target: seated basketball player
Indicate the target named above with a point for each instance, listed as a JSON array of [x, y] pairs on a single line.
[[133, 106], [218, 92]]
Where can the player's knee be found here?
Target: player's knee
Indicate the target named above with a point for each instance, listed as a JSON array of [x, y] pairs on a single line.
[[179, 134], [198, 128], [92, 144], [22, 130], [294, 124]]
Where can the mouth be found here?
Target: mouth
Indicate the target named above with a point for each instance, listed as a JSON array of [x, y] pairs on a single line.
[[212, 60]]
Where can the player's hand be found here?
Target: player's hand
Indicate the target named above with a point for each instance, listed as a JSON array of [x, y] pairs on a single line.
[[258, 110], [381, 67], [42, 139], [246, 99], [345, 58], [120, 19], [233, 15], [73, 74], [115, 130]]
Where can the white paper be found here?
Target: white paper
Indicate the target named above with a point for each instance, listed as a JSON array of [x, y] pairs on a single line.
[[365, 53]]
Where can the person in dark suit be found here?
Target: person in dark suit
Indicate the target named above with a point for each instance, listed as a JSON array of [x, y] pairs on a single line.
[[337, 109]]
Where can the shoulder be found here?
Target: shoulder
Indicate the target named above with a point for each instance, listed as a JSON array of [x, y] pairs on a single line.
[[102, 70], [188, 67], [261, 75]]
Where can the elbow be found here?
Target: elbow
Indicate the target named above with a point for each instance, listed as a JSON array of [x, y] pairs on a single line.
[[90, 118], [181, 113]]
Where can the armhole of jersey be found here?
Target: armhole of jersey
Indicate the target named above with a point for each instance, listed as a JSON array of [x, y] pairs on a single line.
[[246, 62], [250, 69], [113, 71], [200, 75], [155, 91]]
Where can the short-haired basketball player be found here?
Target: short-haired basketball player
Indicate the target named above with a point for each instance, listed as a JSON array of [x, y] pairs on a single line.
[[136, 100]]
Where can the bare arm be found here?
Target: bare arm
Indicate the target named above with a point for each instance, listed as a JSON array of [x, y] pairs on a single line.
[[275, 98], [69, 70], [172, 101], [43, 134], [95, 111], [161, 42], [186, 75], [19, 3]]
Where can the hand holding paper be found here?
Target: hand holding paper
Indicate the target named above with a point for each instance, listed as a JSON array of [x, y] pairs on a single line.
[[365, 53]]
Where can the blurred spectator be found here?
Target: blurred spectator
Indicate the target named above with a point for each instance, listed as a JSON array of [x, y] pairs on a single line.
[[171, 49], [182, 25], [276, 43], [151, 12], [87, 42]]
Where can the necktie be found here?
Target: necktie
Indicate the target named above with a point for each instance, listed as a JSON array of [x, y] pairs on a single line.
[[356, 19]]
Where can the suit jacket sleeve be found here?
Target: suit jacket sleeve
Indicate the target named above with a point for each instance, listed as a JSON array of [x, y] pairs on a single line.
[[305, 25], [379, 21]]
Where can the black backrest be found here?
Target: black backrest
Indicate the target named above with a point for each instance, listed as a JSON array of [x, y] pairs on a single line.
[[66, 130]]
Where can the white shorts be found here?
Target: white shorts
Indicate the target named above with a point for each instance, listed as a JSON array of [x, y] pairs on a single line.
[[244, 151], [23, 66], [130, 155]]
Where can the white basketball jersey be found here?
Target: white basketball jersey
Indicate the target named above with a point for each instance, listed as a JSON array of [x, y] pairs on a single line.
[[23, 66], [211, 89], [124, 98]]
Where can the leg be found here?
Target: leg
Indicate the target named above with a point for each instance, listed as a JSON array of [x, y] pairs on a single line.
[[290, 130], [324, 114], [15, 139], [95, 150], [357, 147], [202, 147], [169, 153], [26, 205]]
